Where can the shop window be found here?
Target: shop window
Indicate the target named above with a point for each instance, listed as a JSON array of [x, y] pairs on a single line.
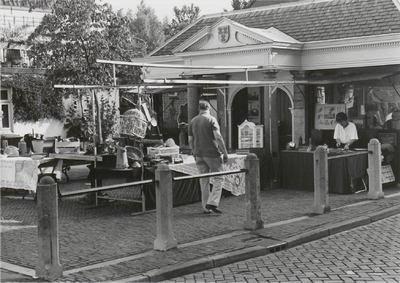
[[6, 110], [320, 95], [381, 104], [254, 114]]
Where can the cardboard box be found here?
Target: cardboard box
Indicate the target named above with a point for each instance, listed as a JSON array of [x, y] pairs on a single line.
[[172, 151], [66, 147]]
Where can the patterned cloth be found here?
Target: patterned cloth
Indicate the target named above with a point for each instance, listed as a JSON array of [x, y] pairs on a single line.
[[22, 172], [235, 183]]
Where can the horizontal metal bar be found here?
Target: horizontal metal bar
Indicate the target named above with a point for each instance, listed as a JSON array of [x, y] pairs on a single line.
[[347, 155], [209, 175], [120, 199], [84, 86], [105, 188], [216, 82]]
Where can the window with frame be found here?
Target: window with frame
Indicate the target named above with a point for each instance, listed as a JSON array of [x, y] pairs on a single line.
[[6, 110]]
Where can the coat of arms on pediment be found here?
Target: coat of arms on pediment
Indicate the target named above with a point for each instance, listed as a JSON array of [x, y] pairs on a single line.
[[223, 33]]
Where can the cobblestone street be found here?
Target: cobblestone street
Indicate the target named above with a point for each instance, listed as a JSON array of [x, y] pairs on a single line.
[[369, 253]]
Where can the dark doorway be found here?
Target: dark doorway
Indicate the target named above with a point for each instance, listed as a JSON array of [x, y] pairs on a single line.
[[284, 119], [239, 113]]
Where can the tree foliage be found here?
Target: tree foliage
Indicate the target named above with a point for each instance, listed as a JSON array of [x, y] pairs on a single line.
[[12, 33], [147, 28], [68, 42], [240, 4], [34, 98], [183, 17]]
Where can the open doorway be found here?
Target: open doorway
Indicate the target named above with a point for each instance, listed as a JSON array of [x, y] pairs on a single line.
[[239, 114], [284, 119], [246, 105]]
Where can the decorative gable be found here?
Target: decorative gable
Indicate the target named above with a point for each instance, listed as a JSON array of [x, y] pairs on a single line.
[[229, 34]]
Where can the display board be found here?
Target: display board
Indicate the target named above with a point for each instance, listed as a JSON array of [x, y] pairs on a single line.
[[387, 174], [325, 115], [250, 135]]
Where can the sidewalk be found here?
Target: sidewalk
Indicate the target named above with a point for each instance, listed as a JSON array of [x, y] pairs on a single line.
[[104, 245]]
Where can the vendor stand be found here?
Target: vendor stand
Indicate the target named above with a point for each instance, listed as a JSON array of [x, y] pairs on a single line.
[[347, 170]]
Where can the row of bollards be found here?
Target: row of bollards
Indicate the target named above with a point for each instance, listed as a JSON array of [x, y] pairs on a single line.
[[321, 188], [48, 266]]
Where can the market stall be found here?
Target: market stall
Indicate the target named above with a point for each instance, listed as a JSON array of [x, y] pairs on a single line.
[[347, 170]]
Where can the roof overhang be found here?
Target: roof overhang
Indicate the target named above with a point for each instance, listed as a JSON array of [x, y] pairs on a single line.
[[352, 52]]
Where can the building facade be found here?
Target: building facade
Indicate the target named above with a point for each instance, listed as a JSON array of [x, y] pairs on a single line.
[[17, 21], [286, 61], [291, 49]]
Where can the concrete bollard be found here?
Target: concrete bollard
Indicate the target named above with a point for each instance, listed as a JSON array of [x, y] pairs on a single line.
[[253, 214], [165, 235], [321, 185], [48, 266], [374, 170]]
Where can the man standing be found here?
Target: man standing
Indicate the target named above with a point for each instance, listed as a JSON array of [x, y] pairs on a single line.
[[206, 143], [345, 132]]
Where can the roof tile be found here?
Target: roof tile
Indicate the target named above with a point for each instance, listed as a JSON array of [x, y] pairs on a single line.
[[311, 21]]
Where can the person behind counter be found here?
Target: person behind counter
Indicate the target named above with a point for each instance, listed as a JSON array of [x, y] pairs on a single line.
[[345, 132]]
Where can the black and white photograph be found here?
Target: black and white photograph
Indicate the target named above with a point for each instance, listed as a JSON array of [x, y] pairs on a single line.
[[200, 141]]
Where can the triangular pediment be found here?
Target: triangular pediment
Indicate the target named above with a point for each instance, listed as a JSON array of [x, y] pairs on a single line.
[[227, 33]]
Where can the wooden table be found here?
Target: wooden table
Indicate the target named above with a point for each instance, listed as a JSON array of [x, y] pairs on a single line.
[[75, 157], [70, 159]]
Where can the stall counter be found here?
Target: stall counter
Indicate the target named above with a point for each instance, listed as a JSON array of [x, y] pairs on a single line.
[[344, 170]]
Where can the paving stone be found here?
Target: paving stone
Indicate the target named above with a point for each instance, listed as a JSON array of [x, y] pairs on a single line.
[[107, 234]]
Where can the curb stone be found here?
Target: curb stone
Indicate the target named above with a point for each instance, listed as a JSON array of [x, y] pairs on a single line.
[[231, 257], [180, 269], [341, 227], [256, 251], [349, 224], [384, 213], [307, 237]]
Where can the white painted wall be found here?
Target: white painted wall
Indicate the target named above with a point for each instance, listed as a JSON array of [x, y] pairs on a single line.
[[53, 127]]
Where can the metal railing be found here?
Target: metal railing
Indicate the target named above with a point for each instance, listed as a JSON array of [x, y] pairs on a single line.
[[213, 174]]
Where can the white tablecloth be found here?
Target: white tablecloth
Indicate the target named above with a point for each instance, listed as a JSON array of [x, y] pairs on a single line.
[[235, 183], [22, 172]]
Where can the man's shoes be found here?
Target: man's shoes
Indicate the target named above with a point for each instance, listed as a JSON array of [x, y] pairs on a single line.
[[207, 211], [213, 208], [216, 210]]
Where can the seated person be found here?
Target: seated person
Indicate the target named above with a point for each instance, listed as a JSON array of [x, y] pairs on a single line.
[[345, 132]]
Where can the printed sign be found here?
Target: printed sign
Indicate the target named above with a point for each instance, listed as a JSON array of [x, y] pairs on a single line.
[[387, 174], [325, 115]]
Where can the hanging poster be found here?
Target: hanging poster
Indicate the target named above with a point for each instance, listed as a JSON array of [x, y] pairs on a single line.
[[325, 115]]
